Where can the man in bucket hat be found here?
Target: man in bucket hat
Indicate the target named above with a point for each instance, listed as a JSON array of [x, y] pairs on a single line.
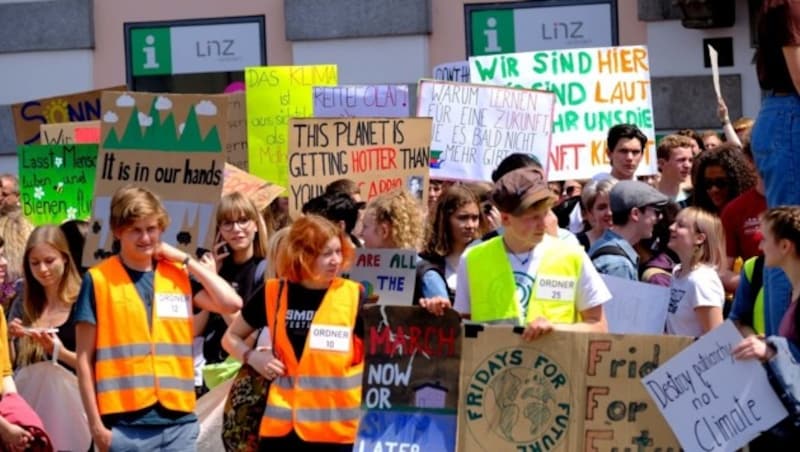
[[526, 277]]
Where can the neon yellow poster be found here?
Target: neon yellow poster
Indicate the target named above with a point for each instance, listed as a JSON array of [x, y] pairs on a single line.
[[274, 95]]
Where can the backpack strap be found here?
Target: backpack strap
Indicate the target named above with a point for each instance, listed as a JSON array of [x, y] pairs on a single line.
[[610, 250]]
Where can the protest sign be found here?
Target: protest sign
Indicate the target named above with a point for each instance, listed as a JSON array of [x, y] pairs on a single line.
[[714, 57], [388, 273], [70, 132], [28, 116], [379, 154], [635, 307], [476, 126], [175, 149], [275, 94], [595, 90], [361, 101], [236, 147], [261, 192], [457, 71], [56, 182], [706, 408], [562, 392], [410, 384]]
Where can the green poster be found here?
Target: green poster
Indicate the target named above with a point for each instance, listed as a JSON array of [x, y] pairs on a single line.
[[56, 182], [151, 51]]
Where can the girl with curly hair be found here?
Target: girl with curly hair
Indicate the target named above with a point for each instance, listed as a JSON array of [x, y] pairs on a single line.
[[718, 176], [393, 220], [457, 221]]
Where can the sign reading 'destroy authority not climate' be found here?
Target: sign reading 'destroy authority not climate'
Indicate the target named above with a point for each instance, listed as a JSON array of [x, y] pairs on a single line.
[[476, 126], [706, 408], [595, 89], [361, 101], [195, 46]]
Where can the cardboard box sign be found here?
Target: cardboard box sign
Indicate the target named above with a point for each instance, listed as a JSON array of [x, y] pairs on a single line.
[[563, 392]]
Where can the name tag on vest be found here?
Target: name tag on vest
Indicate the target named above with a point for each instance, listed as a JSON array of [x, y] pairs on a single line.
[[330, 338], [555, 288], [172, 305]]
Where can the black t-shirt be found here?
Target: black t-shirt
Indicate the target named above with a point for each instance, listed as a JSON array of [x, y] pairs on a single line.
[[242, 278], [303, 304]]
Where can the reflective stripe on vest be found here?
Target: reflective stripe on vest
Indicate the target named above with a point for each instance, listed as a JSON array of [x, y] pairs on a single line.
[[139, 363], [320, 396], [493, 292]]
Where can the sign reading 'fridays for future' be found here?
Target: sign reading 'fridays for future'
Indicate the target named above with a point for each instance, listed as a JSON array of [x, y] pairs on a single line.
[[595, 89]]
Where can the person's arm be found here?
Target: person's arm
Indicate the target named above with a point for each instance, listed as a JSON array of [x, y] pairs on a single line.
[[709, 317], [619, 267], [792, 56], [15, 438], [49, 342], [261, 359], [86, 348], [199, 322], [742, 307], [727, 127], [462, 302], [217, 295], [593, 320]]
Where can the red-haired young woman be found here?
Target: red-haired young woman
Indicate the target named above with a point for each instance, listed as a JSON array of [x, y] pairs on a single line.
[[315, 363]]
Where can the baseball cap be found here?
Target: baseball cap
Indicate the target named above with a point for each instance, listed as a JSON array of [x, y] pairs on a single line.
[[628, 194], [520, 189]]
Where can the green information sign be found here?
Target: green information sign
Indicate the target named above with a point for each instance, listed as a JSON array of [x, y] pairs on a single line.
[[56, 182], [151, 51]]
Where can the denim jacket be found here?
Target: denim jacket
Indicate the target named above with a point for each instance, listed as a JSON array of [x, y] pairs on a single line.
[[613, 265]]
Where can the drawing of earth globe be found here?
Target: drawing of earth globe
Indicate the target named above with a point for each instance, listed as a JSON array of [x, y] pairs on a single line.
[[525, 404]]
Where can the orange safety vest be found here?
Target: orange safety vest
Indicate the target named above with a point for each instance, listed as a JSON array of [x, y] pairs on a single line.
[[320, 396], [137, 365]]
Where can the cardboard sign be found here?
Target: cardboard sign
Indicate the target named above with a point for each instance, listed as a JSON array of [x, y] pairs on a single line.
[[56, 182], [379, 154], [28, 116], [261, 192], [475, 127], [595, 89], [707, 408], [713, 56], [360, 101], [410, 385], [70, 132], [275, 94], [457, 71], [236, 146], [635, 307], [171, 144], [391, 274], [563, 392]]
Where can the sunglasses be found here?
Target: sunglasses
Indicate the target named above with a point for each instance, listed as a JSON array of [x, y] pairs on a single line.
[[719, 183]]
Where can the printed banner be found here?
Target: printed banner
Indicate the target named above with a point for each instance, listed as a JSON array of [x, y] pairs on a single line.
[[275, 94], [56, 182], [380, 154], [635, 307], [28, 116], [236, 146], [390, 275], [595, 89], [457, 71], [410, 385], [707, 408], [476, 126], [563, 392], [86, 132], [171, 144], [361, 101]]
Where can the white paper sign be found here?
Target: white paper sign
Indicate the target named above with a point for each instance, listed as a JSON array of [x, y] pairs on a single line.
[[714, 57], [476, 126], [388, 273], [595, 89], [457, 71], [711, 401], [635, 307], [362, 101]]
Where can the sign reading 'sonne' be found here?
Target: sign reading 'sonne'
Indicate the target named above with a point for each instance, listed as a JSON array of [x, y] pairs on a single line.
[[521, 396]]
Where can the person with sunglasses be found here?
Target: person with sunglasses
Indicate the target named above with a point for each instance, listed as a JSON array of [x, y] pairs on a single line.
[[718, 176], [635, 209]]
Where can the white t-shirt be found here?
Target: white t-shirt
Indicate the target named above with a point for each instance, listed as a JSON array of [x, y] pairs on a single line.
[[701, 287], [592, 291]]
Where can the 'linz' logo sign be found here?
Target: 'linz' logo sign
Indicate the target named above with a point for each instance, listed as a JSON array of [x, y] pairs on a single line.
[[563, 30], [215, 48]]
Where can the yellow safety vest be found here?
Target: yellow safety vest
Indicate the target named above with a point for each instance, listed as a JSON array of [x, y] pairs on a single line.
[[137, 365], [493, 293]]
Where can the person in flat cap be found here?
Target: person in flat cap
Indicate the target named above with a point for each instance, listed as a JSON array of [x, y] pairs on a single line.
[[635, 208], [526, 277]]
